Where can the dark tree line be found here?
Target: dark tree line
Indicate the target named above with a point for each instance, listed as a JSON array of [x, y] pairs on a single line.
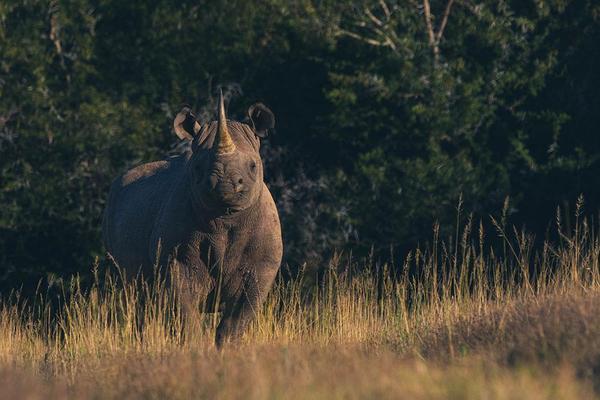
[[387, 111]]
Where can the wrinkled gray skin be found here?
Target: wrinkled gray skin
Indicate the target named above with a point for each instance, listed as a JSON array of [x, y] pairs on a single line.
[[208, 213]]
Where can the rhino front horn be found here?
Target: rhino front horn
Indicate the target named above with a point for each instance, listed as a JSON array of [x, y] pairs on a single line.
[[223, 142]]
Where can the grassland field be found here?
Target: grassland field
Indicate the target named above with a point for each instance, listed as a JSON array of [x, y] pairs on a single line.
[[456, 320]]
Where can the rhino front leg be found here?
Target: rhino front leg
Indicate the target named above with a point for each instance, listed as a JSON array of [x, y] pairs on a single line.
[[240, 312]]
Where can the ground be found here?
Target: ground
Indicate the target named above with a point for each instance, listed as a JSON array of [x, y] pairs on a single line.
[[472, 324]]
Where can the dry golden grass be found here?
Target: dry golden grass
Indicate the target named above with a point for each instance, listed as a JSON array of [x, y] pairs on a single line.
[[457, 321]]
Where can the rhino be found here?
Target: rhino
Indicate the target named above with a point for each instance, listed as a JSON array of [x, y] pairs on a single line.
[[206, 213]]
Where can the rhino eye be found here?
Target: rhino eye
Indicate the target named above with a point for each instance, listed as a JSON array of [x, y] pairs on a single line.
[[252, 166]]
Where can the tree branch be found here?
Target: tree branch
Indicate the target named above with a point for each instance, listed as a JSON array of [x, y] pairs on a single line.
[[372, 17], [385, 8], [353, 35], [440, 31], [430, 33]]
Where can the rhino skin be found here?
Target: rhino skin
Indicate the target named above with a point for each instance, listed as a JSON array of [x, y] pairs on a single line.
[[206, 214]]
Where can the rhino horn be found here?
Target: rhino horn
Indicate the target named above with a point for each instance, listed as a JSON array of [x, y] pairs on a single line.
[[223, 142]]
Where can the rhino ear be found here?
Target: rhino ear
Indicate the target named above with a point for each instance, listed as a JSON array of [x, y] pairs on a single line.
[[261, 118], [185, 124]]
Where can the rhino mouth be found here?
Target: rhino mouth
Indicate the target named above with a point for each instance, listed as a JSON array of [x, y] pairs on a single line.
[[226, 202]]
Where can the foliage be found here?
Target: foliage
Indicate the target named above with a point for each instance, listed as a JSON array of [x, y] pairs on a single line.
[[387, 111]]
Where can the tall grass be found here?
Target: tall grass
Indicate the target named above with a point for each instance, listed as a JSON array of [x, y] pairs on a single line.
[[454, 303]]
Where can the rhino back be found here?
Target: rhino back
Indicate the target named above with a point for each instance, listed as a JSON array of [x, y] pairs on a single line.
[[135, 200]]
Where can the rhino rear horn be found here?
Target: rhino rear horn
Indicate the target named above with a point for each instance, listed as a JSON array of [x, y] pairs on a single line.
[[186, 124], [261, 118]]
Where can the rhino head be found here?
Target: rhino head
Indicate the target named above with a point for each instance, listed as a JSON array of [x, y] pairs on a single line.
[[225, 167]]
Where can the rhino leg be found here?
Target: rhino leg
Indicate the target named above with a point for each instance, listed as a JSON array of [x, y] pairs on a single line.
[[191, 287], [245, 306], [191, 278]]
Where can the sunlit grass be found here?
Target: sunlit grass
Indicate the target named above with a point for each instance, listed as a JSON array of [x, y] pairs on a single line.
[[458, 319]]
